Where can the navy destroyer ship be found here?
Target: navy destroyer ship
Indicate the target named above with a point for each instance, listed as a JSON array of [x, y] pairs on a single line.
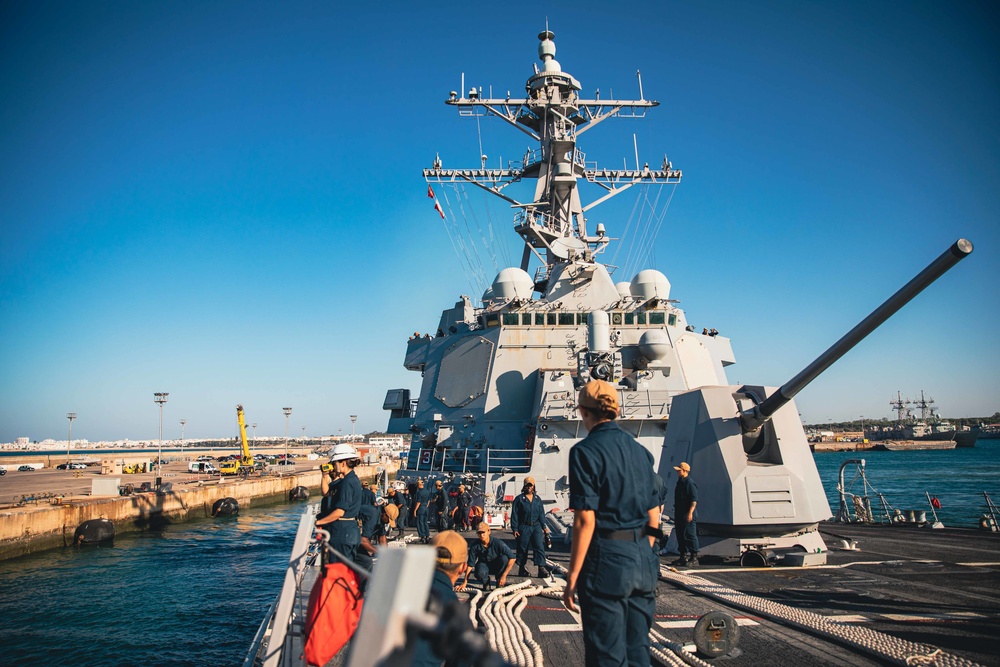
[[497, 403]]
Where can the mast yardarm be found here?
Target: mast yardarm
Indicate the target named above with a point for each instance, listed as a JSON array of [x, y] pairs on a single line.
[[553, 225]]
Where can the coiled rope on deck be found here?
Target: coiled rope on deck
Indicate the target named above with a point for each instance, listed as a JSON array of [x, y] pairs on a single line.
[[893, 649], [506, 631]]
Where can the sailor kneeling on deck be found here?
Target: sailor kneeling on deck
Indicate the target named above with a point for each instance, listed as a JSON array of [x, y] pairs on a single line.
[[613, 565], [488, 557]]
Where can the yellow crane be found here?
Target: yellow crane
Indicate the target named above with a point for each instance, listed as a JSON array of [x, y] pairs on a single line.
[[245, 465]]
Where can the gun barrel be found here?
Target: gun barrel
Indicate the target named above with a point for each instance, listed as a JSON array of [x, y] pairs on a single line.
[[759, 414]]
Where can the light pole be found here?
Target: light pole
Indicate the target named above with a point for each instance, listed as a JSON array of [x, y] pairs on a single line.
[[254, 426], [288, 412], [160, 398], [183, 421], [354, 418], [70, 416]]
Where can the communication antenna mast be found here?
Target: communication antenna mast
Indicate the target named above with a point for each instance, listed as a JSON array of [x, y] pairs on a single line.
[[899, 407]]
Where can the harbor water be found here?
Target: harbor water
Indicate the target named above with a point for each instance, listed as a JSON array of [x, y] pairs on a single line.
[[956, 477], [195, 593]]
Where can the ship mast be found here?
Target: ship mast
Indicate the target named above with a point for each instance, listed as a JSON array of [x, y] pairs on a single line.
[[552, 225], [899, 406], [926, 406]]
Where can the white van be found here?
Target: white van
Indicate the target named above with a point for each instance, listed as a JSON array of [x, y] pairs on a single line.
[[204, 467]]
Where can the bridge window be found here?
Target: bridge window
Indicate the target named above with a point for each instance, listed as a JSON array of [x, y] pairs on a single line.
[[511, 319], [567, 319], [629, 318], [526, 318], [540, 318], [672, 319], [640, 318], [581, 318], [656, 318]]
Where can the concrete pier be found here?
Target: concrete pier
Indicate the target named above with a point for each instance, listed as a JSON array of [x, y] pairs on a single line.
[[41, 509]]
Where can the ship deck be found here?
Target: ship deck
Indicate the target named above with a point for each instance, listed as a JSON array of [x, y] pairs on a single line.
[[936, 588]]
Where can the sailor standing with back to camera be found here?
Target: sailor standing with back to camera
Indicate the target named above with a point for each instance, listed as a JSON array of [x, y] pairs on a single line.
[[613, 565]]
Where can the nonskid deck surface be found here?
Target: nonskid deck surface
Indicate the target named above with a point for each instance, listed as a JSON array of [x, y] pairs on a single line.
[[929, 587]]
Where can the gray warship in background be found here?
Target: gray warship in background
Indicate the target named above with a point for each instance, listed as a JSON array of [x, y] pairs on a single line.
[[501, 374], [929, 427]]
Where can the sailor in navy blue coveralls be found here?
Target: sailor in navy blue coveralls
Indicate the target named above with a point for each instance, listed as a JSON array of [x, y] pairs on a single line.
[[526, 523], [613, 565], [344, 505], [488, 557], [685, 517], [421, 505]]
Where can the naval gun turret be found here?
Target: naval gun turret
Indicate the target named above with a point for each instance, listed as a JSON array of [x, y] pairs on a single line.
[[760, 495]]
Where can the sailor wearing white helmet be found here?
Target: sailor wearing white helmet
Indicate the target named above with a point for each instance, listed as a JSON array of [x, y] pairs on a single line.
[[342, 502]]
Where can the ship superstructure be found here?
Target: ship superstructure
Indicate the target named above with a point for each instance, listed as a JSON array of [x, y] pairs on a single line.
[[500, 375]]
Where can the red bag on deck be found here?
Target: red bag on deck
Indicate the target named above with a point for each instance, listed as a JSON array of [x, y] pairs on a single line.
[[334, 611]]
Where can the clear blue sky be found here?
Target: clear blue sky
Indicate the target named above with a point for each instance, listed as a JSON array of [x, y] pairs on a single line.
[[223, 200]]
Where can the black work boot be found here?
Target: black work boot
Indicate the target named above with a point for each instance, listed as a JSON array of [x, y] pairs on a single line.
[[543, 572], [680, 562], [522, 571], [693, 561]]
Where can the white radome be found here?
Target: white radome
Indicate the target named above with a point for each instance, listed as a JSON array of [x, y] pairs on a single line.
[[512, 283], [650, 284]]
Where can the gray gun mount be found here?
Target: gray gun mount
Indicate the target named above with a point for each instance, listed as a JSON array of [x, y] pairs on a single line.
[[760, 495]]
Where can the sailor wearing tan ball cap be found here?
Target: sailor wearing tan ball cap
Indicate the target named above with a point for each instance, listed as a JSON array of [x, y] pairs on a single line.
[[450, 564], [613, 565], [527, 523], [685, 525]]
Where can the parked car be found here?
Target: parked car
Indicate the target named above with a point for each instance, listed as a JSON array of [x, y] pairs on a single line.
[[3, 471], [25, 469], [77, 466], [62, 466]]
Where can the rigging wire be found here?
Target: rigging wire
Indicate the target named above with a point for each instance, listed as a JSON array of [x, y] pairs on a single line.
[[478, 260], [492, 244], [651, 246], [454, 246], [470, 261], [645, 241], [496, 239], [626, 234], [464, 195]]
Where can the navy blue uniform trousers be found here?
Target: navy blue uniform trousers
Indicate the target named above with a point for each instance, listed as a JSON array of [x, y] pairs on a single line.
[[618, 601]]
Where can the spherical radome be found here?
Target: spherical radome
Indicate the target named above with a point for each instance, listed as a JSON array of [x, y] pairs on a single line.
[[513, 283], [650, 284], [654, 344]]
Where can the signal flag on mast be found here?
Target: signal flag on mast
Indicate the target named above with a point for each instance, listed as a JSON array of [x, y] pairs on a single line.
[[437, 204]]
